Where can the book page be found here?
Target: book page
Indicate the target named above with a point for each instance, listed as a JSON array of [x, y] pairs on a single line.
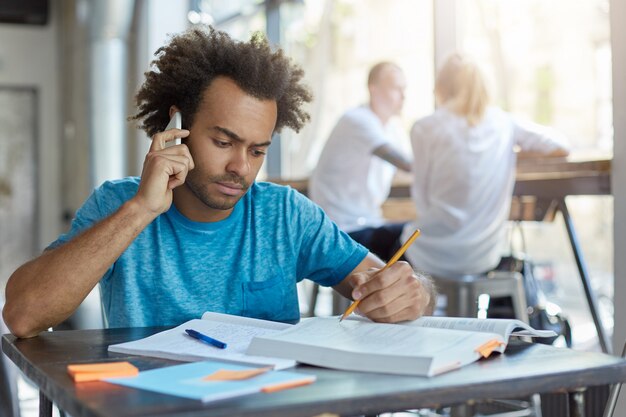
[[367, 337], [503, 327], [176, 344], [377, 347], [244, 321]]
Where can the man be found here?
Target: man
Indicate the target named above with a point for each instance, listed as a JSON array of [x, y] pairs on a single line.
[[353, 176], [196, 232]]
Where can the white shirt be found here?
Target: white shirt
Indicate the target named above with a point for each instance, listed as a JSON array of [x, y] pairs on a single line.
[[463, 181], [349, 182]]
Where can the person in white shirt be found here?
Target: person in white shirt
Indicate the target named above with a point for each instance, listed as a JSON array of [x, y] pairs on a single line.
[[353, 176], [464, 172]]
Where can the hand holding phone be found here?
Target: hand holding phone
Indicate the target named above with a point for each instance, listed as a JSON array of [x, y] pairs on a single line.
[[155, 188], [176, 122]]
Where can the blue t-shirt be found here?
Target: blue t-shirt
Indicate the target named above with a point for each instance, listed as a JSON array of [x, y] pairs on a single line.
[[247, 264]]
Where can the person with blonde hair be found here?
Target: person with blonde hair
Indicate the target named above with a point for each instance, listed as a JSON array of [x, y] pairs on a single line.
[[464, 172]]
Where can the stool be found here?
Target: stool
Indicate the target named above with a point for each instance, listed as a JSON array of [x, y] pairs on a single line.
[[464, 291]]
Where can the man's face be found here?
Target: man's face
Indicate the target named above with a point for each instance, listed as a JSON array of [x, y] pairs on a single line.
[[228, 142], [388, 90]]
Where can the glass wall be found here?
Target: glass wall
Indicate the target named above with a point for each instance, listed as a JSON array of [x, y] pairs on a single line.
[[239, 18], [336, 42], [550, 62]]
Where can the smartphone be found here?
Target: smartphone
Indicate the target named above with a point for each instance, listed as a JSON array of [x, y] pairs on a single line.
[[176, 122]]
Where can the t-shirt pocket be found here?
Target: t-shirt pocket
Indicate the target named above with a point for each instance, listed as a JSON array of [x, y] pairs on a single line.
[[272, 299]]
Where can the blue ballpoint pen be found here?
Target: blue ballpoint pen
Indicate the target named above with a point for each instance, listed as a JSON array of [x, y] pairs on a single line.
[[206, 339]]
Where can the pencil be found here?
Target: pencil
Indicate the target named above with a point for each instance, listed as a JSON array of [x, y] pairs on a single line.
[[391, 261], [287, 385]]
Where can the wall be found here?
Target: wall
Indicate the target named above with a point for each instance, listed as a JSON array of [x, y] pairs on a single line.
[[154, 22], [29, 58], [75, 177]]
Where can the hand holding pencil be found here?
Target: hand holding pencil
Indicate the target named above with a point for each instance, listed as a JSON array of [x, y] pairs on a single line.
[[392, 294]]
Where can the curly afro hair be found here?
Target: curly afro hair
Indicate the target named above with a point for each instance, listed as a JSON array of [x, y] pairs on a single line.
[[185, 67]]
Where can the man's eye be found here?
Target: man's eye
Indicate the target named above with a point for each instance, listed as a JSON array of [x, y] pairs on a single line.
[[221, 143], [258, 152]]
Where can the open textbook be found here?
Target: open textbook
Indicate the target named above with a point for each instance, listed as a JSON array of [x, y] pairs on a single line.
[[427, 346], [236, 331]]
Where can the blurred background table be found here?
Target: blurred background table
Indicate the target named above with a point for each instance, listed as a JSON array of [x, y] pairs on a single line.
[[541, 188]]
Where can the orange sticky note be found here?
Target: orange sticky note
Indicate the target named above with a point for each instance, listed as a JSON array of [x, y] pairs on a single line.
[[97, 376], [286, 385], [98, 371], [488, 347], [99, 367], [235, 375]]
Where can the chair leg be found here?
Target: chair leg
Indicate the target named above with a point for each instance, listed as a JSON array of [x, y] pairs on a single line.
[[340, 303], [520, 306], [315, 290], [45, 406], [535, 401], [463, 410]]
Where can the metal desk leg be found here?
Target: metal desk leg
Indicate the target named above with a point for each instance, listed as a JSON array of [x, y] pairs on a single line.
[[45, 405], [584, 277], [613, 394]]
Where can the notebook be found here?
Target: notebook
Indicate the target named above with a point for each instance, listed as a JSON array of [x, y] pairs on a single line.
[[192, 380]]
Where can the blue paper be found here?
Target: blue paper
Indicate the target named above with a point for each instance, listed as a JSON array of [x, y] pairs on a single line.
[[186, 381]]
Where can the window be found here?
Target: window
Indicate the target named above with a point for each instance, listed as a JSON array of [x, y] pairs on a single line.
[[239, 18], [551, 62], [336, 42]]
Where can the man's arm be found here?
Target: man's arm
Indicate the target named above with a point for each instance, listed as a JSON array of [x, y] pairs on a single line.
[[394, 157], [536, 141], [47, 290], [557, 153], [394, 295]]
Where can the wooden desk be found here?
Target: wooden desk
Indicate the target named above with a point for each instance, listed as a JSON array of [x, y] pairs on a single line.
[[524, 369], [543, 178], [555, 178]]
